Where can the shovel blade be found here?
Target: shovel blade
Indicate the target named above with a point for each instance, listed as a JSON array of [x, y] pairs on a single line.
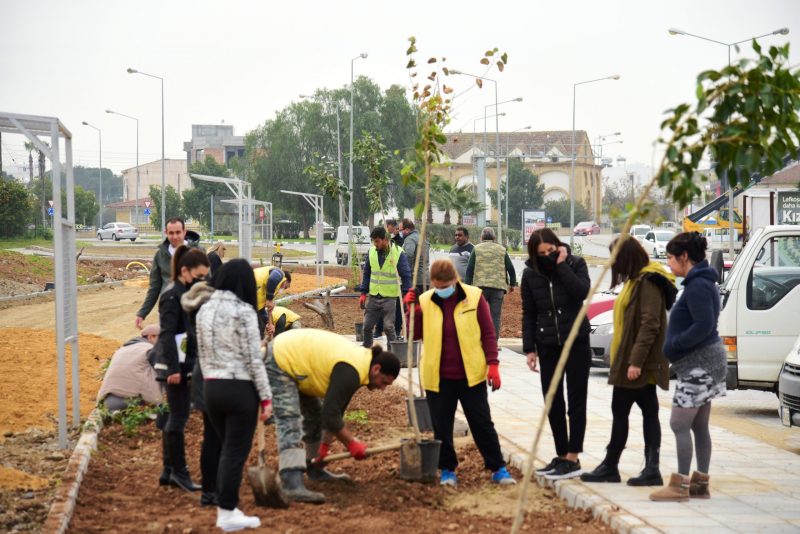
[[410, 460], [266, 487]]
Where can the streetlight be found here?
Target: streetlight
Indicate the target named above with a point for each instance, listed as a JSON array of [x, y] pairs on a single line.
[[497, 144], [362, 55], [780, 31], [575, 153], [100, 178], [508, 164], [163, 171], [338, 156], [137, 157]]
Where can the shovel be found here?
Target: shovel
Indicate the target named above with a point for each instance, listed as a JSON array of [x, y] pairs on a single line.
[[371, 451], [264, 480]]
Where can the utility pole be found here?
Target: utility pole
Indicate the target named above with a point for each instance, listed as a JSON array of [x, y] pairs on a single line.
[[44, 189]]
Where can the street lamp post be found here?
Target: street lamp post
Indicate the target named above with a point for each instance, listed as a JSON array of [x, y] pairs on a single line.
[[780, 31], [100, 177], [163, 171], [508, 165], [362, 55], [574, 155], [137, 158]]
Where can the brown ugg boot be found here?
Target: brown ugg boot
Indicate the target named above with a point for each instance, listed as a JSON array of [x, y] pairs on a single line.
[[676, 491], [698, 486]]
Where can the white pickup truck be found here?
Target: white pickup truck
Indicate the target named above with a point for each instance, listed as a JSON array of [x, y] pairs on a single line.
[[361, 244], [760, 307]]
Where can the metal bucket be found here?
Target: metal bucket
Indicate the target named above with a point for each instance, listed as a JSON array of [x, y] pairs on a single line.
[[429, 449], [423, 414], [400, 349], [359, 331]]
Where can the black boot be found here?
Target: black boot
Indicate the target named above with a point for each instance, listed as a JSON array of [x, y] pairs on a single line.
[[163, 480], [292, 483], [209, 498], [318, 473], [182, 479], [607, 471], [650, 475]]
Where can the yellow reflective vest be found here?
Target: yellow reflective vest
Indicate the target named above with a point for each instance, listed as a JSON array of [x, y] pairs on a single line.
[[383, 279], [469, 338], [309, 355], [291, 316], [262, 275]]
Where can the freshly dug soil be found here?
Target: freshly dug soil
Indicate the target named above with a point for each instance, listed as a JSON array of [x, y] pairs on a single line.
[[121, 493]]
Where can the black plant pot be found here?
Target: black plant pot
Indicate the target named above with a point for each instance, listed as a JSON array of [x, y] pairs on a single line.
[[359, 331], [400, 349], [423, 414]]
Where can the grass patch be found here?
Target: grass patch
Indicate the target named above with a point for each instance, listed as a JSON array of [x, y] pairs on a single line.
[[356, 416]]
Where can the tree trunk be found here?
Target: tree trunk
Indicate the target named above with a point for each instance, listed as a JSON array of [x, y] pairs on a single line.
[[447, 216]]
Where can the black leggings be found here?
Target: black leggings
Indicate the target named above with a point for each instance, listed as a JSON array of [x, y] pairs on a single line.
[[577, 373], [622, 400], [232, 406], [209, 455]]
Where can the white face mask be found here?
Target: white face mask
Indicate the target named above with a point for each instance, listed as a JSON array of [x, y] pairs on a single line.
[[445, 292]]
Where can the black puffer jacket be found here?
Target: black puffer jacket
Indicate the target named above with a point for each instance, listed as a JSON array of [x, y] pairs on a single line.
[[550, 303], [173, 321]]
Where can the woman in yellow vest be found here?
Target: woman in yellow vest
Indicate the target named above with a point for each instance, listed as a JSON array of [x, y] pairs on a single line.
[[460, 356], [270, 281], [313, 375]]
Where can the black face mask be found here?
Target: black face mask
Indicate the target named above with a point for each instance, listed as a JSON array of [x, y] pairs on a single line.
[[547, 263], [194, 281]]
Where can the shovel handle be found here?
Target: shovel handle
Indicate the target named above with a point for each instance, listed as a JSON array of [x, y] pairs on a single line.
[[261, 443], [370, 452]]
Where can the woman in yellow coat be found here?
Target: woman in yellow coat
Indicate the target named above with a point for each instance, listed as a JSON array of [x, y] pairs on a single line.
[[460, 356]]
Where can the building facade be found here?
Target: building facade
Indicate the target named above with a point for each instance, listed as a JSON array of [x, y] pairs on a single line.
[[547, 155], [176, 174], [215, 140]]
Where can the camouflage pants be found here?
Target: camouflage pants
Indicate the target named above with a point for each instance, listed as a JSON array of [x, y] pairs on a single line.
[[297, 418]]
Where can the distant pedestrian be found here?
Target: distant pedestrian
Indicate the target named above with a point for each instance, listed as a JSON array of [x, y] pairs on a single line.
[[638, 364], [490, 269], [397, 238], [411, 242], [236, 388], [455, 325], [379, 287], [394, 231], [554, 285], [699, 361], [215, 254], [461, 252]]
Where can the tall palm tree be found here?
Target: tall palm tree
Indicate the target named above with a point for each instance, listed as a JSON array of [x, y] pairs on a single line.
[[443, 195], [466, 202]]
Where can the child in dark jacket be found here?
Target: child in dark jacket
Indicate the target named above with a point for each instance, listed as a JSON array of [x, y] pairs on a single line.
[[699, 362]]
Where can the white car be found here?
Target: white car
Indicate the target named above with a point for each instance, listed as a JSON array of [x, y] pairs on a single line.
[[116, 231], [789, 387], [655, 242], [640, 230]]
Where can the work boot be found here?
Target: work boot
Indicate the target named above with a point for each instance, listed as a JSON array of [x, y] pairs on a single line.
[[209, 498], [607, 471], [698, 486], [676, 491], [292, 483], [182, 479], [650, 475], [163, 480], [318, 473], [233, 520]]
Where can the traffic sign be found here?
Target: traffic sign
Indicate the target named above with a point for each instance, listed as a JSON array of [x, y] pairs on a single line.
[[147, 211], [51, 203], [147, 203], [50, 211], [261, 213]]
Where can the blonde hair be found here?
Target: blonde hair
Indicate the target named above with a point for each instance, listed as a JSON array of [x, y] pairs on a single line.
[[217, 246], [443, 270]]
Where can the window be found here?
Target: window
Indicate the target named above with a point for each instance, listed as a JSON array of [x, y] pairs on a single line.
[[775, 272], [650, 236]]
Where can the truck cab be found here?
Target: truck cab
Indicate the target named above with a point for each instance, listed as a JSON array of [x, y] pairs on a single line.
[[760, 296], [361, 244]]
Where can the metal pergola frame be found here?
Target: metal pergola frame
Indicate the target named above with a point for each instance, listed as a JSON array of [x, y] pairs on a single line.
[[316, 202], [267, 208], [33, 126], [242, 190]]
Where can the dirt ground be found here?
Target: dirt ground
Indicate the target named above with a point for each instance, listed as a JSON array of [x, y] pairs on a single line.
[[125, 469]]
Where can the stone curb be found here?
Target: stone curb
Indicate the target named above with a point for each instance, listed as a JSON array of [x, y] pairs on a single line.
[[581, 497], [66, 495]]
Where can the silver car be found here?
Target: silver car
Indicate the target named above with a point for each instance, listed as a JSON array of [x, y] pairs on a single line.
[[116, 231]]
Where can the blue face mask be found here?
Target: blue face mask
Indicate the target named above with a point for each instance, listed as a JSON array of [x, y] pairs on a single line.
[[446, 292]]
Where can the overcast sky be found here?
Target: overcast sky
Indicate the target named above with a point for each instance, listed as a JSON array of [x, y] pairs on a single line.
[[241, 61]]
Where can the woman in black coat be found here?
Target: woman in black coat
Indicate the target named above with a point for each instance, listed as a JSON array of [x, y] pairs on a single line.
[[554, 286]]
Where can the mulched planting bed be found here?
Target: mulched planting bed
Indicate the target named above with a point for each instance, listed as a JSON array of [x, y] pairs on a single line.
[[121, 494]]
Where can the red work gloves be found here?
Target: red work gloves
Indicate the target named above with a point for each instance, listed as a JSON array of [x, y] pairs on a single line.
[[410, 298], [323, 451], [493, 377], [358, 449], [362, 301]]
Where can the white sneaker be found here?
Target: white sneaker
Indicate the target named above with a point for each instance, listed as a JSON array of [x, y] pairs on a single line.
[[233, 520]]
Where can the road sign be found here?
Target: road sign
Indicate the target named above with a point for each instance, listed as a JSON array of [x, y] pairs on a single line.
[[147, 203], [51, 203], [50, 211], [788, 207], [147, 211]]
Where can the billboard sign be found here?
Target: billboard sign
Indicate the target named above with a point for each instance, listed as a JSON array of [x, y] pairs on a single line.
[[789, 207], [532, 220]]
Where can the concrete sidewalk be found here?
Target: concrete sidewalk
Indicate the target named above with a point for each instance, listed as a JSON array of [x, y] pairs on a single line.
[[755, 487]]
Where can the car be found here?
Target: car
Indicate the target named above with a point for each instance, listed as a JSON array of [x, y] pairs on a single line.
[[328, 231], [116, 231], [789, 387], [361, 244], [655, 242], [586, 228], [640, 230]]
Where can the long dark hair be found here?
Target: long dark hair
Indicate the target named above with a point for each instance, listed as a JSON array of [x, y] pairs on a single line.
[[237, 277], [692, 243], [543, 235], [631, 259], [187, 257]]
